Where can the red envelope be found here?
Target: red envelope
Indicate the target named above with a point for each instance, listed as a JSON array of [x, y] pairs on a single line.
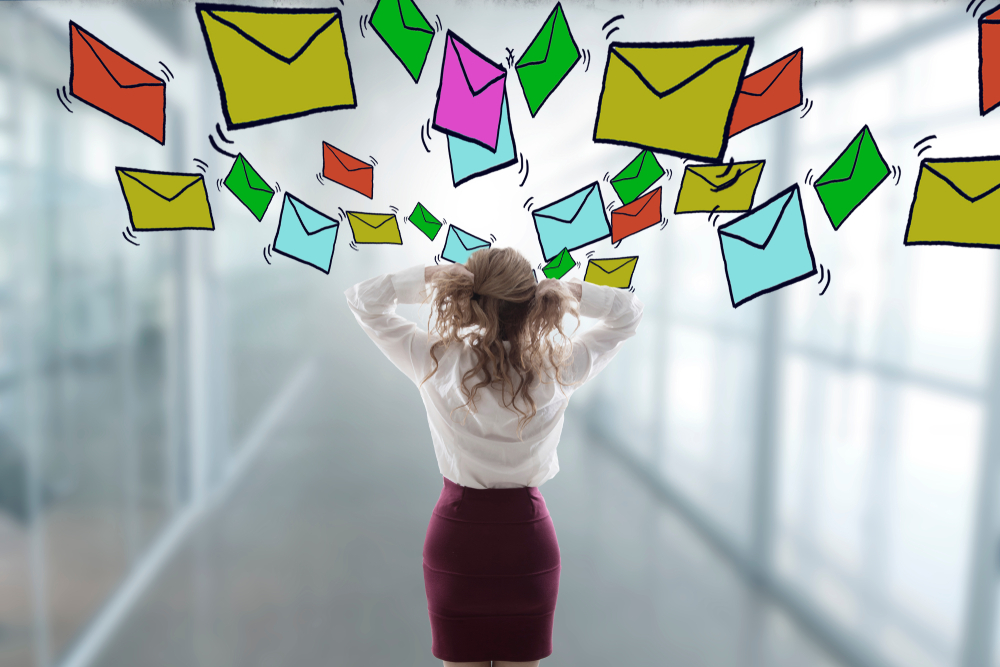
[[347, 170], [642, 213], [768, 93], [989, 61], [110, 82]]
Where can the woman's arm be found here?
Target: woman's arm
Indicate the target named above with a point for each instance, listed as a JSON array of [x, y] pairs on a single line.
[[618, 312]]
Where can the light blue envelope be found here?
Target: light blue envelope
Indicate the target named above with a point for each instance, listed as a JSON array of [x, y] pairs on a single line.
[[572, 222], [469, 159], [305, 234], [460, 244], [767, 248]]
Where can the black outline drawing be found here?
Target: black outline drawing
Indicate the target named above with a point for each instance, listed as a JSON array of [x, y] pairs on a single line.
[[590, 262], [573, 263], [402, 20], [336, 150], [737, 42], [421, 207], [249, 166], [127, 171], [355, 236], [459, 229], [925, 165], [207, 7], [787, 192], [656, 193], [991, 17], [642, 161], [595, 185], [290, 198], [519, 65], [728, 184], [86, 37], [451, 37], [854, 166], [503, 165], [800, 52]]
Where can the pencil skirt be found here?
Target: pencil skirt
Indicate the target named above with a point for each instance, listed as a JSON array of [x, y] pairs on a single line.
[[491, 573]]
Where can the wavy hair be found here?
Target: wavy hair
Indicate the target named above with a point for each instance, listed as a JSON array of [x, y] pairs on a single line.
[[500, 302]]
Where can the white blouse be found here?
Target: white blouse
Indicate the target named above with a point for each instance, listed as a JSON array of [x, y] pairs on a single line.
[[481, 449]]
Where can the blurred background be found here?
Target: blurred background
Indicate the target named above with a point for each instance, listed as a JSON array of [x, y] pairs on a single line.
[[203, 461]]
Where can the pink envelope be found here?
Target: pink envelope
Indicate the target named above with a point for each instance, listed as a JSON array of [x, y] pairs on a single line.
[[470, 96]]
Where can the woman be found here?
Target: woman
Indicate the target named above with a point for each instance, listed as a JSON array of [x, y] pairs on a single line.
[[495, 372]]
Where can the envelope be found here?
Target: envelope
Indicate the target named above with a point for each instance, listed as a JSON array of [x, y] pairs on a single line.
[[470, 95], [110, 82], [274, 63], [425, 222], [159, 200], [989, 61], [637, 175], [547, 60], [852, 177], [405, 30], [956, 202], [460, 244], [616, 272], [572, 222], [348, 170], [767, 248], [675, 97], [374, 228], [560, 265], [305, 234], [724, 188], [768, 92], [642, 213], [249, 187], [469, 159]]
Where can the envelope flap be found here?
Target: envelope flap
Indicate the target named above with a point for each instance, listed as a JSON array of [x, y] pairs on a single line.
[[757, 227], [566, 209], [349, 162], [637, 206], [124, 72], [992, 16], [843, 168], [538, 51], [253, 179], [633, 168], [666, 68], [760, 81], [973, 179], [373, 220], [312, 220], [167, 186], [479, 72], [283, 33], [470, 242], [612, 265], [560, 259], [723, 177], [413, 18]]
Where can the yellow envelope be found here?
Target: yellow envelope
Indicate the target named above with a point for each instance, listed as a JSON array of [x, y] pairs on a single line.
[[726, 188], [615, 272], [956, 202], [162, 200], [273, 63], [374, 228], [674, 97]]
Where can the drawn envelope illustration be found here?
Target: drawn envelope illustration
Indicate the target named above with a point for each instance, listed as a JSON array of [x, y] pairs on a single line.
[[852, 177], [275, 63], [252, 190], [460, 244], [469, 159], [989, 61], [110, 82], [644, 212], [405, 30], [423, 220], [348, 170], [637, 175], [572, 222], [767, 248], [547, 60], [305, 234], [768, 92], [560, 265], [470, 95], [675, 97], [615, 272], [374, 228], [956, 202], [159, 200], [723, 188]]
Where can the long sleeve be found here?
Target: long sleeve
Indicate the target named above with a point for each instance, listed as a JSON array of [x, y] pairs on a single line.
[[618, 313], [373, 303]]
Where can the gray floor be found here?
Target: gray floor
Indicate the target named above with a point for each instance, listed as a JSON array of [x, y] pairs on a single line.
[[315, 558]]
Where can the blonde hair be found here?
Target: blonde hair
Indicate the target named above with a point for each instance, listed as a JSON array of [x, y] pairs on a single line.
[[499, 302]]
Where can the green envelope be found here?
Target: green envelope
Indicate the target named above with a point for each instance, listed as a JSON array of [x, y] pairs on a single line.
[[406, 32], [851, 178], [560, 265], [249, 187], [547, 60], [638, 175], [424, 221]]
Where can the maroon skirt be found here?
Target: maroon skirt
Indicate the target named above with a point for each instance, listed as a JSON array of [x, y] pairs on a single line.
[[491, 572]]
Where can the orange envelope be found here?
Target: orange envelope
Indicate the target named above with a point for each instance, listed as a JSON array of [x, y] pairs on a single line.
[[642, 213], [347, 170], [989, 61], [768, 93], [110, 82]]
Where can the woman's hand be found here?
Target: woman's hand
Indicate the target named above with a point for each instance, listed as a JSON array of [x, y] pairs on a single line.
[[457, 269], [548, 285]]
